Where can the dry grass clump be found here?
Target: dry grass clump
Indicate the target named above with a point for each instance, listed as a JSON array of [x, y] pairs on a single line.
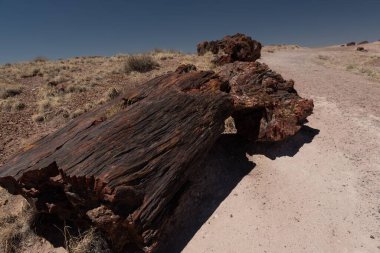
[[367, 71], [38, 118], [112, 93], [349, 59], [6, 106], [55, 80], [40, 59], [77, 113], [76, 88], [31, 72], [89, 242], [323, 57], [45, 105], [14, 230], [6, 92], [229, 126], [19, 106], [140, 63], [281, 47]]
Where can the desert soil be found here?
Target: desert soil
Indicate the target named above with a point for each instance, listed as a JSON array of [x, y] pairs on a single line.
[[326, 196]]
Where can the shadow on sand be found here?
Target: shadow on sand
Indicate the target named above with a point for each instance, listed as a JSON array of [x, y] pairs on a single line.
[[288, 147], [225, 167]]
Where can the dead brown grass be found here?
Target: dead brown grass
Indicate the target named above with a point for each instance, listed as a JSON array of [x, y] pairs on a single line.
[[90, 241], [229, 126], [346, 58], [15, 229], [6, 91], [140, 63], [64, 87]]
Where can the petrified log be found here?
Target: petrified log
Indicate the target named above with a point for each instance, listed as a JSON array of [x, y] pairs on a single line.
[[266, 107], [238, 47], [123, 167]]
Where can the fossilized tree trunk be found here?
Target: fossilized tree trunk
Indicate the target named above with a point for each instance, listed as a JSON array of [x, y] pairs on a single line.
[[122, 167], [126, 161]]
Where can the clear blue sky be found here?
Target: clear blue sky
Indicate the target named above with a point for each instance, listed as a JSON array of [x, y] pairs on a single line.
[[66, 28]]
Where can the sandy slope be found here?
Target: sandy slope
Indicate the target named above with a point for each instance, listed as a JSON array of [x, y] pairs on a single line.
[[326, 196]]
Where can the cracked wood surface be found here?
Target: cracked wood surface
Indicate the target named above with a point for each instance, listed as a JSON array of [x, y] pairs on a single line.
[[128, 159]]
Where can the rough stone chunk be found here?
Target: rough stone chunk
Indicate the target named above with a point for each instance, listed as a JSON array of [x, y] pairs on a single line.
[[266, 107], [238, 47], [363, 42]]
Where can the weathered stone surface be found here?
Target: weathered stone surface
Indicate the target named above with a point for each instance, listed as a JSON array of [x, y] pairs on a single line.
[[238, 47], [351, 44], [266, 107], [363, 42]]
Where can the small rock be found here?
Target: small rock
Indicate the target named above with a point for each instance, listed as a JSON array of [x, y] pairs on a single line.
[[372, 237], [185, 68], [363, 42]]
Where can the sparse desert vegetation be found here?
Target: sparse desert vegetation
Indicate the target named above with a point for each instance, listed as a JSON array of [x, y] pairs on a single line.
[[16, 218], [364, 62], [278, 48], [140, 63], [54, 88], [88, 242]]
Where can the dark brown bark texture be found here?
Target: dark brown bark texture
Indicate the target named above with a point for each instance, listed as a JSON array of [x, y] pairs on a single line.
[[126, 161]]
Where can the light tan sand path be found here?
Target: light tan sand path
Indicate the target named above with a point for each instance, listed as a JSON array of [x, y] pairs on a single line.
[[326, 198]]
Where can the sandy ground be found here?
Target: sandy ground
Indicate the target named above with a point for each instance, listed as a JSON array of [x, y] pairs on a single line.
[[319, 192]]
